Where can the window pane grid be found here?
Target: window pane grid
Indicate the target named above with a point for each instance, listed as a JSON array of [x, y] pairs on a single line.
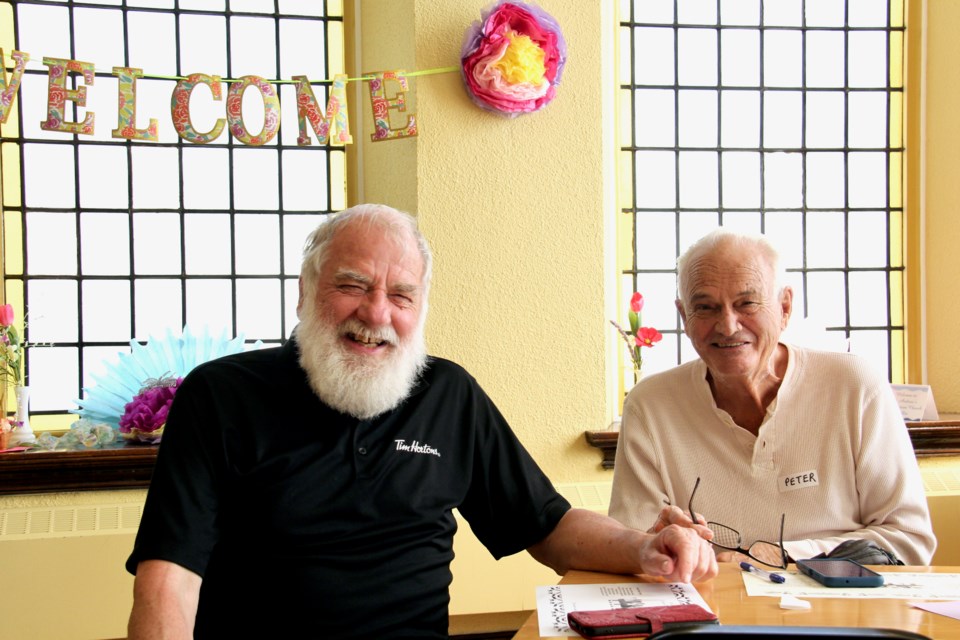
[[132, 226], [767, 136]]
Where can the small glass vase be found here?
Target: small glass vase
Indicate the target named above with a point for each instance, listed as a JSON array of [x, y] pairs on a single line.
[[22, 434]]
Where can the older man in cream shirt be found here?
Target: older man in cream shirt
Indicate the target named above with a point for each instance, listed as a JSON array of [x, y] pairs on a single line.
[[775, 433]]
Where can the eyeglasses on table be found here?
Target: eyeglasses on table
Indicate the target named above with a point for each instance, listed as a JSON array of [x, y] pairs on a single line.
[[768, 553]]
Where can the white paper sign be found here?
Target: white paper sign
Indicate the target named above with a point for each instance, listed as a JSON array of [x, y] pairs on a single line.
[[916, 401], [896, 585], [554, 603]]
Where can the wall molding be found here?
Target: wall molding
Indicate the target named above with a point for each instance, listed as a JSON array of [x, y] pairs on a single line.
[[933, 438]]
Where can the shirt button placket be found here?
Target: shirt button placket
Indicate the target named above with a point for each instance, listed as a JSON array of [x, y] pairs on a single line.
[[360, 448]]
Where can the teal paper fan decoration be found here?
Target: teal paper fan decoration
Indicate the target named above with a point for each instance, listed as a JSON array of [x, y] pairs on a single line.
[[170, 356]]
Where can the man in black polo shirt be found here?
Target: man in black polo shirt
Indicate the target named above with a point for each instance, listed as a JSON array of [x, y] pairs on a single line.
[[311, 486]]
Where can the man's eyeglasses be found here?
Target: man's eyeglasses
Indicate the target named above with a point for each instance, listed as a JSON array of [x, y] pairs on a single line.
[[771, 554]]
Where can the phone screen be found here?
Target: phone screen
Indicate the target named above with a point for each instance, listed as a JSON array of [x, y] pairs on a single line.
[[838, 569], [840, 573]]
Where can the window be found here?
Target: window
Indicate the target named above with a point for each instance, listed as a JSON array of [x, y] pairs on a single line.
[[107, 240], [782, 117]]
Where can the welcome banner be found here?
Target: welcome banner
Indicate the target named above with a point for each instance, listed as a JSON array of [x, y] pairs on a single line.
[[330, 125]]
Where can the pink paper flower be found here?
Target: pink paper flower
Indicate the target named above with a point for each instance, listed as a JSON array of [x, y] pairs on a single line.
[[6, 315], [512, 60], [145, 416]]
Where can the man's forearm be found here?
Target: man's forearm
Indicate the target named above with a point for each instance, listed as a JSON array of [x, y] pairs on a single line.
[[159, 620], [165, 599], [587, 540]]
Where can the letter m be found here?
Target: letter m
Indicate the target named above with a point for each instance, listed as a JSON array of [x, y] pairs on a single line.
[[335, 127]]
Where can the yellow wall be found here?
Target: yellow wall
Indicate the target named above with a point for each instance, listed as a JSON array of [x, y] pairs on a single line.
[[517, 211], [381, 39], [941, 191], [72, 587]]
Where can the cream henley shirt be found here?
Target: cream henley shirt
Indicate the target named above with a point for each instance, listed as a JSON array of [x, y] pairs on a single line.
[[832, 454]]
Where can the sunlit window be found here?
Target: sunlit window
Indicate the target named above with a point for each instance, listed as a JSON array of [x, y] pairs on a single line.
[[781, 117], [107, 240]]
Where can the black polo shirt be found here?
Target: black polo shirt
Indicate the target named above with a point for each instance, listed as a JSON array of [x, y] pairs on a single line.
[[300, 517]]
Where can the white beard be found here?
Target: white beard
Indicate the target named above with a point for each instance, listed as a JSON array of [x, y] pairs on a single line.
[[360, 386]]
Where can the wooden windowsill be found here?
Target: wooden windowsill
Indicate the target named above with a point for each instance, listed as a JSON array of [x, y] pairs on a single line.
[[129, 466], [126, 466], [934, 438]]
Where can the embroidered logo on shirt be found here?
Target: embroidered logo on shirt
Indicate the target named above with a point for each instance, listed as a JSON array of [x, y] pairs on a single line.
[[802, 480], [416, 447]]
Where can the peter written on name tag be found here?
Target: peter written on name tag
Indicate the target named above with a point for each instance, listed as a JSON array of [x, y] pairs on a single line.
[[916, 401]]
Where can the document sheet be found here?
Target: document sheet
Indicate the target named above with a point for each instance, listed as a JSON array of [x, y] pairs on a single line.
[[905, 586], [554, 603]]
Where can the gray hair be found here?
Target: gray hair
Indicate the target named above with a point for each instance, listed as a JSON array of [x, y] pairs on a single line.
[[724, 237], [399, 224]]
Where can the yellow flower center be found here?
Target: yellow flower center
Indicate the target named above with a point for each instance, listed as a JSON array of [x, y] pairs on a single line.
[[522, 61]]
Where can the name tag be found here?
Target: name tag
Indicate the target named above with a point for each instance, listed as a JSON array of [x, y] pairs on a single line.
[[802, 480]]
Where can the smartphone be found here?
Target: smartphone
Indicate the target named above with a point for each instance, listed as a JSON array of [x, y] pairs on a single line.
[[839, 572], [633, 621]]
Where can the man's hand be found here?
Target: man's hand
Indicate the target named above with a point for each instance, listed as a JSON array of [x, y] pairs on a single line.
[[675, 515], [593, 542], [680, 553]]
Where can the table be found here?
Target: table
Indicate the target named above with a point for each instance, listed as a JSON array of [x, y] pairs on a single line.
[[728, 599]]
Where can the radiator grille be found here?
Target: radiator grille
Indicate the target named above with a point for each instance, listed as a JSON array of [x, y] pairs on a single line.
[[68, 521], [943, 481], [594, 496]]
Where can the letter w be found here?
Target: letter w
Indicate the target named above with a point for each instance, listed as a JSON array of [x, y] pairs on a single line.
[[8, 91]]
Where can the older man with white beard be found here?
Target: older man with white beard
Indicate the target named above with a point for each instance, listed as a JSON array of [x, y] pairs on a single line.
[[311, 486]]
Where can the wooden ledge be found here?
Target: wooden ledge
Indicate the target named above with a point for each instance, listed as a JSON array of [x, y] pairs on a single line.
[[933, 438], [606, 441], [122, 467]]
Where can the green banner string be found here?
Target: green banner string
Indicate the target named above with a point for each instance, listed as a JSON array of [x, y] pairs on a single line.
[[364, 78]]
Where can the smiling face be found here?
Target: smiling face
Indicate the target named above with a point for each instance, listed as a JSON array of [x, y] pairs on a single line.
[[731, 311], [361, 319], [371, 286]]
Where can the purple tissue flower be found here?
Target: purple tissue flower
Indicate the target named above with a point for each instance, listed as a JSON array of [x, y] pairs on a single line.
[[148, 410]]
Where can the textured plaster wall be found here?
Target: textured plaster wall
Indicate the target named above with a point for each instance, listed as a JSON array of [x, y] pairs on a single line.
[[942, 211], [385, 38], [518, 212], [515, 211]]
